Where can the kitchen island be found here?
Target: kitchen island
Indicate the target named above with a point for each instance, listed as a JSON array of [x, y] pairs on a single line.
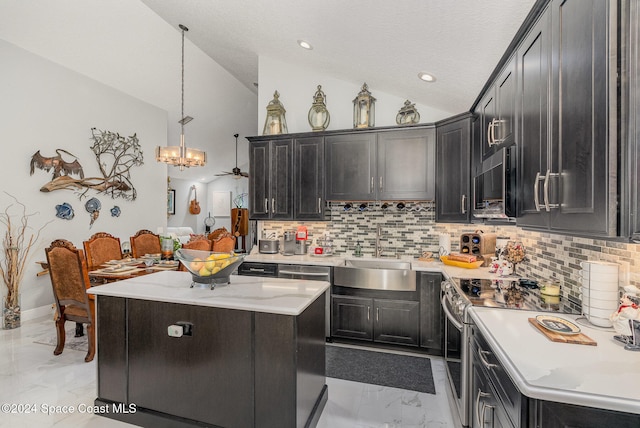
[[249, 354]]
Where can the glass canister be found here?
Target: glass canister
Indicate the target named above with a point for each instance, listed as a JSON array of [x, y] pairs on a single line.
[[166, 248]]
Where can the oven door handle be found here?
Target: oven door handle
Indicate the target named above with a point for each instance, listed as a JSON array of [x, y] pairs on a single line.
[[450, 316]]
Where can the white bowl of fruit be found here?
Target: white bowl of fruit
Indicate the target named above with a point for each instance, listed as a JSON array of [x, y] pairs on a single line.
[[208, 267]]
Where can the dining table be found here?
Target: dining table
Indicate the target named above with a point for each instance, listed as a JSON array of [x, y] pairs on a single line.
[[117, 270]]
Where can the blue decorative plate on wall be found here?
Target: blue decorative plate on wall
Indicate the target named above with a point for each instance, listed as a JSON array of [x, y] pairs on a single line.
[[92, 205], [64, 211]]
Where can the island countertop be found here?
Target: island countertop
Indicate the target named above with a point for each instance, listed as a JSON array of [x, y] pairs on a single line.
[[259, 294], [603, 376]]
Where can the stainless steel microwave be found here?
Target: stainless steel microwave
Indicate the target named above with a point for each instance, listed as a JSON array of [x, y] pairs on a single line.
[[495, 187]]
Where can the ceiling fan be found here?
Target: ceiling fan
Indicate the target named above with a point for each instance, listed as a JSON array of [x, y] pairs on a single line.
[[235, 171]]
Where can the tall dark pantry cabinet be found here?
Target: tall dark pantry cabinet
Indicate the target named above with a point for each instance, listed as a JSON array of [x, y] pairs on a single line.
[[567, 120]]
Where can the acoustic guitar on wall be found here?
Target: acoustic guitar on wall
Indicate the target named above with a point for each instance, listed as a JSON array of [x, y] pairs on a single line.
[[194, 205]]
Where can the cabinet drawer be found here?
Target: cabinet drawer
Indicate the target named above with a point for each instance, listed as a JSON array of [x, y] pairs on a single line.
[[507, 392]]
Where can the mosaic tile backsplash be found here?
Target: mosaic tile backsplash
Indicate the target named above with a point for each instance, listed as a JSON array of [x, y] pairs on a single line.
[[409, 231]]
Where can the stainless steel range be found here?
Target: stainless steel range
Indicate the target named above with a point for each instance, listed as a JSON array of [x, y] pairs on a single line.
[[460, 294]]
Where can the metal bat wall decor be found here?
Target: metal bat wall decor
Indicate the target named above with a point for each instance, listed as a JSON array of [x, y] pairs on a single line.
[[57, 163]]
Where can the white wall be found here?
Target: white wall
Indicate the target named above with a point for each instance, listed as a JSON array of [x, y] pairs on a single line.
[[44, 107], [297, 85], [118, 68], [127, 46]]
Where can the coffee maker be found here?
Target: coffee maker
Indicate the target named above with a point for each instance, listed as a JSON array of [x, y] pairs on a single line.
[[289, 243], [301, 240]]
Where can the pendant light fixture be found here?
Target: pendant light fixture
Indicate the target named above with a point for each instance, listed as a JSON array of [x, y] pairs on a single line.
[[181, 156]]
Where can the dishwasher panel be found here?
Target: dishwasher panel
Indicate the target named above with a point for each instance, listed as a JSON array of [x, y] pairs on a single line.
[[258, 269], [312, 273]]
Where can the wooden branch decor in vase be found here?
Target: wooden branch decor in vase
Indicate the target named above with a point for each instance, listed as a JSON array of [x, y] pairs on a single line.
[[16, 246]]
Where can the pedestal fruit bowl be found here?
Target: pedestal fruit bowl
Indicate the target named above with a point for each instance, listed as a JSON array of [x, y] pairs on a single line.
[[208, 267]]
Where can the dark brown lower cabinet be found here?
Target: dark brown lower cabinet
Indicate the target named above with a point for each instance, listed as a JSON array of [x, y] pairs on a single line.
[[431, 316], [234, 368], [497, 402], [380, 320], [396, 321], [550, 414]]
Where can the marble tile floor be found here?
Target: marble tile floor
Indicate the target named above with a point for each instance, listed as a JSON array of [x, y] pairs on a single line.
[[31, 375]]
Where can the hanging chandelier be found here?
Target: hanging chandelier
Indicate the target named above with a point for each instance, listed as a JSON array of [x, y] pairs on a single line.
[[181, 156]]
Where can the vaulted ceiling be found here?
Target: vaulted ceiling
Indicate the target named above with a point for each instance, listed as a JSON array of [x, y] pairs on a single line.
[[459, 42]]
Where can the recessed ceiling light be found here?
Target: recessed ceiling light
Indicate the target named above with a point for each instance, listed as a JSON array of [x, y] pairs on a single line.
[[305, 45], [426, 77]]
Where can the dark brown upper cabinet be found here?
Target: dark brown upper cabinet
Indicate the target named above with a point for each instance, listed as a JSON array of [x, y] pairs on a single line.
[[271, 179], [568, 152]]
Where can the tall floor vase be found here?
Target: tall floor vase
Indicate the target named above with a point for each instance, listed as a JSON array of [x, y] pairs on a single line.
[[11, 312]]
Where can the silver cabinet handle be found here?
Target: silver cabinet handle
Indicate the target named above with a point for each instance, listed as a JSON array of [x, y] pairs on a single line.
[[273, 205], [463, 205], [368, 313], [371, 183], [545, 191], [377, 314], [319, 205], [381, 183], [494, 123], [266, 205], [486, 363], [491, 132], [545, 188], [480, 395], [485, 407], [256, 269], [536, 191]]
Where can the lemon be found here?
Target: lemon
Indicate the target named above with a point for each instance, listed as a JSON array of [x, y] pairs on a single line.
[[204, 272], [210, 264]]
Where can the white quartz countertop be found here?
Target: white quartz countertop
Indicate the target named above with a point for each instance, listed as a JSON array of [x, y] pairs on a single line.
[[417, 265], [249, 293], [604, 376]]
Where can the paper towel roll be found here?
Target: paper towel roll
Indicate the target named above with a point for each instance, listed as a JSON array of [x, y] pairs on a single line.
[[444, 244]]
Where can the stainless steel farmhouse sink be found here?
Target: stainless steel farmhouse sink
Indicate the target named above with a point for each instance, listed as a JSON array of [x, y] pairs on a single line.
[[375, 274], [377, 264]]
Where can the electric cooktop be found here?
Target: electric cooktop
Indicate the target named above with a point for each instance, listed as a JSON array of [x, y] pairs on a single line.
[[511, 294]]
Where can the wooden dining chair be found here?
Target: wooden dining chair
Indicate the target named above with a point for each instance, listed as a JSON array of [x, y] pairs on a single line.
[[101, 248], [144, 242], [69, 280], [213, 236], [199, 244], [224, 244]]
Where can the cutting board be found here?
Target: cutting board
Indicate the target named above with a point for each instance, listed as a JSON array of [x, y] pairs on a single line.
[[578, 339]]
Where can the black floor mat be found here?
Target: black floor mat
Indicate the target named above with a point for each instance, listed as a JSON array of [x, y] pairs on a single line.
[[380, 368]]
